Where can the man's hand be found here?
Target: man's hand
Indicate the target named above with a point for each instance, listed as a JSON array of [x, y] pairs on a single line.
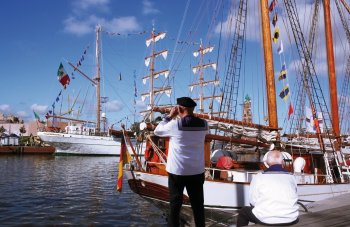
[[174, 112]]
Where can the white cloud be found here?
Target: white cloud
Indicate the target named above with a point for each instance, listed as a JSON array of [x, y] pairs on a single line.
[[140, 104], [114, 106], [84, 5], [73, 26], [86, 14], [22, 114], [122, 25], [39, 109], [148, 7], [118, 25], [5, 108], [305, 11], [253, 31]]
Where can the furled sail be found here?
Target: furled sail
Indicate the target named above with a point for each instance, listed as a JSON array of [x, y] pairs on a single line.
[[155, 38], [164, 73], [165, 90], [203, 51], [204, 83], [163, 53], [196, 68]]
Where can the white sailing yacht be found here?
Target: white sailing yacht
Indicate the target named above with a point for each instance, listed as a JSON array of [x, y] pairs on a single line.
[[83, 137]]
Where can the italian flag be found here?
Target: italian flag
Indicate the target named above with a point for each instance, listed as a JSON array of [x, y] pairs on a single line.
[[62, 76]]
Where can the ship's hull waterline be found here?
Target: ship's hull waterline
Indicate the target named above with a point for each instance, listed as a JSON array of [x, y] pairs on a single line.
[[224, 195]]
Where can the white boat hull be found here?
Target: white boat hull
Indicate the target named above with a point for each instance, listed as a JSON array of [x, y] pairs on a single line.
[[225, 195], [81, 144]]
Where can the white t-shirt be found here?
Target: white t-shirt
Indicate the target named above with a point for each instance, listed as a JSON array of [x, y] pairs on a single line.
[[186, 146], [274, 197]]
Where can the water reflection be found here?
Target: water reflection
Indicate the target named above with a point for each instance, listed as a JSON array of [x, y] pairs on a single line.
[[69, 190]]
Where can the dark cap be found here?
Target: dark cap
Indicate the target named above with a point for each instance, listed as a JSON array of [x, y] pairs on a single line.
[[186, 102]]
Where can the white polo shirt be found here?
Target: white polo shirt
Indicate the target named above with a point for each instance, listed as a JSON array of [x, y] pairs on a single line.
[[186, 146]]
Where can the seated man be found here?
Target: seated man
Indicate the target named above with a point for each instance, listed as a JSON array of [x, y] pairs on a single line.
[[272, 195]]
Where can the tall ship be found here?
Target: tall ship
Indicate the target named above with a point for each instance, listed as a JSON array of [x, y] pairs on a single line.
[[84, 137], [202, 90], [157, 88], [320, 173]]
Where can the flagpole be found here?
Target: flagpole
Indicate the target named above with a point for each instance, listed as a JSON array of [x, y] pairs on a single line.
[[83, 74], [268, 60], [132, 147]]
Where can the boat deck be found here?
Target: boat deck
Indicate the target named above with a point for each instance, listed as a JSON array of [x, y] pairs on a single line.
[[330, 212]]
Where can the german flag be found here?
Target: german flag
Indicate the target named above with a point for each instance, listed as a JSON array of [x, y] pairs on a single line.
[[124, 158]]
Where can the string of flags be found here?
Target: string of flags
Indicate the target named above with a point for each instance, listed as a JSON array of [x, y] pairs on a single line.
[[272, 5], [127, 34], [274, 20], [280, 48], [50, 112], [282, 76], [285, 93], [82, 58], [283, 73], [135, 89], [276, 35], [64, 80]]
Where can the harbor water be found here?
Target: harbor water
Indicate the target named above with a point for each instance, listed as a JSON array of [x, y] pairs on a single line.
[[47, 190]]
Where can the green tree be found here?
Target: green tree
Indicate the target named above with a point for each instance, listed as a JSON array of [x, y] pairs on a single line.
[[22, 139], [2, 129], [22, 129], [15, 120]]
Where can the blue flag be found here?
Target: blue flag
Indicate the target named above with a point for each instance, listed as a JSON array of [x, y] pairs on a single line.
[[283, 73], [285, 92]]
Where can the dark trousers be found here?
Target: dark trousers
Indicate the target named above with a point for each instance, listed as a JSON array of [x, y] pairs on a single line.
[[245, 215], [194, 187]]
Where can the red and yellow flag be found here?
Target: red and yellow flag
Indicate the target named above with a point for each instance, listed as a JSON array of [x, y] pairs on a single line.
[[124, 158]]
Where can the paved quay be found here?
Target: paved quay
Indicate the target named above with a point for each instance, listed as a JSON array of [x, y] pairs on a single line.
[[334, 211], [330, 212]]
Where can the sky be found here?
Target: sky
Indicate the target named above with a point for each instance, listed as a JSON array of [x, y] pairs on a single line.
[[38, 35]]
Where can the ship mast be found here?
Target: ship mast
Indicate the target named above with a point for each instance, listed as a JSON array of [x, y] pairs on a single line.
[[150, 61], [201, 80], [98, 78], [269, 69], [331, 72]]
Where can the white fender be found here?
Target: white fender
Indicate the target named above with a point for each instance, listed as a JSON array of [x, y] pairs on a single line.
[[298, 164]]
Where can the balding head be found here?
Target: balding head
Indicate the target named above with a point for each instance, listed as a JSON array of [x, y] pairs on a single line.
[[274, 157]]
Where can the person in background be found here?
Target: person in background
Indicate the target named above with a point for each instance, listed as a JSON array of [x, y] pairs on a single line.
[[272, 195], [185, 163]]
